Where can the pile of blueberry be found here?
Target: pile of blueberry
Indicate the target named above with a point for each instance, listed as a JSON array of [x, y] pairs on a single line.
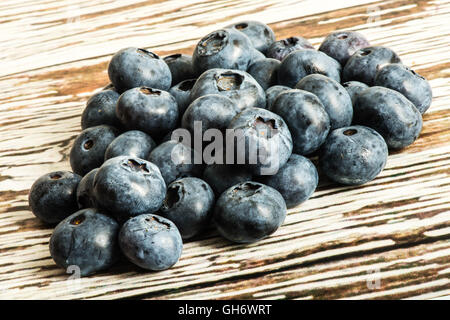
[[135, 188]]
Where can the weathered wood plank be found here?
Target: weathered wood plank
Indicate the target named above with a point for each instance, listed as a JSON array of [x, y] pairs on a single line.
[[326, 244]]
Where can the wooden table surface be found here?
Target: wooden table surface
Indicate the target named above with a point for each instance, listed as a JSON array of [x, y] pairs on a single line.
[[387, 239]]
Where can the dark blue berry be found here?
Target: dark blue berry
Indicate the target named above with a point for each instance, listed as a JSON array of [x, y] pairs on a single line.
[[342, 45], [88, 149], [272, 93], [404, 80], [390, 114], [263, 140], [86, 240], [146, 109], [180, 66], [222, 176], [333, 96], [101, 109], [353, 155], [215, 111], [364, 64], [281, 48], [306, 118], [175, 160], [151, 242], [264, 71], [299, 64], [189, 202], [132, 143], [182, 94], [127, 186], [259, 33], [237, 85], [53, 196], [248, 212], [295, 181], [85, 196], [132, 67], [225, 48]]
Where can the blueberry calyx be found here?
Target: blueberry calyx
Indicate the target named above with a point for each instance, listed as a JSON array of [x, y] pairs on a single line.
[[136, 166], [148, 53], [213, 44], [150, 91], [187, 85], [88, 144], [229, 81], [173, 196], [78, 220], [55, 176], [350, 132], [246, 189], [161, 223], [241, 26], [172, 57]]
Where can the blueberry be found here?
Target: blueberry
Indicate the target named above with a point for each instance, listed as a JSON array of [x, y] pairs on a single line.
[[132, 67], [299, 64], [151, 242], [150, 110], [263, 141], [127, 186], [180, 66], [175, 160], [281, 48], [364, 64], [306, 118], [353, 155], [88, 149], [248, 212], [101, 109], [255, 56], [342, 45], [390, 114], [272, 93], [87, 240], [237, 85], [404, 80], [225, 48], [182, 92], [221, 176], [188, 203], [213, 110], [354, 88], [264, 71], [132, 143], [333, 96], [85, 197], [53, 197], [259, 33], [295, 181]]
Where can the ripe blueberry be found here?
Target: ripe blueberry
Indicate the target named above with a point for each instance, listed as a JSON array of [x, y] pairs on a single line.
[[390, 114], [413, 86], [88, 149], [151, 242], [88, 240], [342, 45], [353, 155], [127, 186], [133, 67], [248, 212], [306, 117], [333, 96], [299, 64], [53, 197], [132, 143]]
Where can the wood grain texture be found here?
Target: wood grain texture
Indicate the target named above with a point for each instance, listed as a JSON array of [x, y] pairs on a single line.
[[395, 229]]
